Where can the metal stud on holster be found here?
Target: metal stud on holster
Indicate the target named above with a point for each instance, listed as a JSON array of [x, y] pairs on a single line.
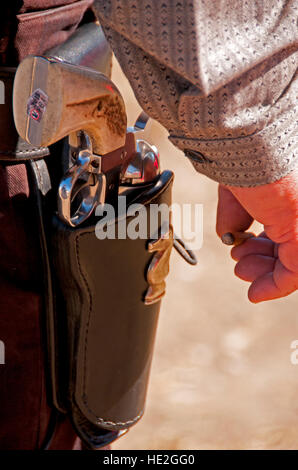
[[101, 325]]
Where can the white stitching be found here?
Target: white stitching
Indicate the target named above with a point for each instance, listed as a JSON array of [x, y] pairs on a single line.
[[111, 423], [39, 150]]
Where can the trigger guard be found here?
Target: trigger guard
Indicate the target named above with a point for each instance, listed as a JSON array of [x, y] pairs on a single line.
[[93, 194]]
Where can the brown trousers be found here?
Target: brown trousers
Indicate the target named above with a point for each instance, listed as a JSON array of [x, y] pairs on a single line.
[[26, 27]]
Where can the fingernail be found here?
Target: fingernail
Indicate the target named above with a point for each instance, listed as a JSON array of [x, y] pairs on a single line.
[[228, 238]]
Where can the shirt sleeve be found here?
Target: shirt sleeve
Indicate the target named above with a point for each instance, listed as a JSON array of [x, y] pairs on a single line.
[[220, 76]]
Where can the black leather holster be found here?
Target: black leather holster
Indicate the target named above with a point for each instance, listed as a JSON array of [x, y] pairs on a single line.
[[99, 329], [102, 333]]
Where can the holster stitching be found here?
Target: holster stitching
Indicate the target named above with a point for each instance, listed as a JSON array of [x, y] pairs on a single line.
[[10, 152]]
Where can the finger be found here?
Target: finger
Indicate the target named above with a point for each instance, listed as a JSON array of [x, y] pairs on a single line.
[[260, 246], [236, 238], [276, 245], [279, 283], [231, 216], [288, 254], [251, 267]]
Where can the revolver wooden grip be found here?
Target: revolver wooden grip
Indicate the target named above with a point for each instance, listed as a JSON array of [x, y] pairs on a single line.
[[52, 99]]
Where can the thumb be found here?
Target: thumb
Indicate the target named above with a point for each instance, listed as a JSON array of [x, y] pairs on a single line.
[[231, 215]]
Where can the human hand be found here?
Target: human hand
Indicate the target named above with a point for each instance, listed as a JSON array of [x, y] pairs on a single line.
[[270, 260]]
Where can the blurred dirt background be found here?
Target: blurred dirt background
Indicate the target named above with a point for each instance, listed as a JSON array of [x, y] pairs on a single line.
[[222, 377]]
